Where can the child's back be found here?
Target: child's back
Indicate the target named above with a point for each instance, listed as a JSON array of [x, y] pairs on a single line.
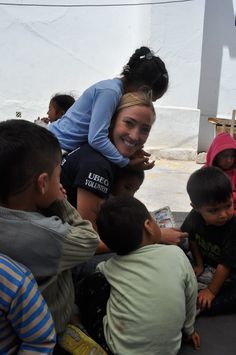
[[153, 287], [153, 297]]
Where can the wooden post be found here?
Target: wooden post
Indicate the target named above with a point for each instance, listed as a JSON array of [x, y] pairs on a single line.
[[232, 123]]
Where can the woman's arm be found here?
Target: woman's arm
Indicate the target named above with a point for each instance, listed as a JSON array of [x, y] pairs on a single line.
[[88, 206]]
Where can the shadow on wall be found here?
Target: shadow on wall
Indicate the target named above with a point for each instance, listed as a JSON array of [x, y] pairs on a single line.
[[218, 32]]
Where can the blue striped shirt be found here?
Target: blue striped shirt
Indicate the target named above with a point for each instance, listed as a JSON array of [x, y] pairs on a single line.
[[26, 325]]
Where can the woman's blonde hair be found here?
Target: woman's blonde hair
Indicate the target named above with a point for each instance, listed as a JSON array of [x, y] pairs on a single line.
[[137, 98], [140, 98]]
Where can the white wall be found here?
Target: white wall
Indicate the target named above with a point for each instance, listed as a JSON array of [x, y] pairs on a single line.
[[217, 89], [45, 50]]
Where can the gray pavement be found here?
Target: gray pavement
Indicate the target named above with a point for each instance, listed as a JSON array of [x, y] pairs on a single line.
[[165, 184]]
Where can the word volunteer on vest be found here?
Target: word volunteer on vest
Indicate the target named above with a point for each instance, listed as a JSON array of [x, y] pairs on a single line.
[[97, 182]]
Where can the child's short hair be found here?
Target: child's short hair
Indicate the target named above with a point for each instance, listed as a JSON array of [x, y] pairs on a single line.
[[209, 185], [120, 223], [127, 171], [63, 102], [26, 151]]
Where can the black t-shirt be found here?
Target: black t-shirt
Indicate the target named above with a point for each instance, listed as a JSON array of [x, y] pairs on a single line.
[[87, 169], [217, 244]]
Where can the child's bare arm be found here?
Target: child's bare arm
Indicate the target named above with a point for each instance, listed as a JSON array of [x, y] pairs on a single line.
[[206, 296], [197, 258]]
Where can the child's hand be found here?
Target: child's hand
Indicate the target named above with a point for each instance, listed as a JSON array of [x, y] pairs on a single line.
[[45, 119], [205, 298], [198, 269], [195, 340], [140, 161]]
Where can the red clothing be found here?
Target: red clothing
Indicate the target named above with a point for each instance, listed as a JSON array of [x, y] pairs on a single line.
[[222, 142]]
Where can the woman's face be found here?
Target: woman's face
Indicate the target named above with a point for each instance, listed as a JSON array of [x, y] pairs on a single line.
[[131, 129]]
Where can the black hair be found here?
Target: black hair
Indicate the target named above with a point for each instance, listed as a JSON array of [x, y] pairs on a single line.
[[63, 102], [146, 69], [120, 223], [26, 151], [209, 186], [122, 173]]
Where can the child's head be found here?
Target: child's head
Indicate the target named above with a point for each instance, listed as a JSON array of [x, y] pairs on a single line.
[[124, 225], [222, 152], [146, 69], [226, 159], [30, 158], [210, 192], [127, 182], [58, 105]]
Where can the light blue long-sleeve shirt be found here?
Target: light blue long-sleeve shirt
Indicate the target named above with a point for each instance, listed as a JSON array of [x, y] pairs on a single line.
[[88, 120]]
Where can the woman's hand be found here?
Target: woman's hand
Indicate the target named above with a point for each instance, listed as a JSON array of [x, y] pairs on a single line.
[[172, 236]]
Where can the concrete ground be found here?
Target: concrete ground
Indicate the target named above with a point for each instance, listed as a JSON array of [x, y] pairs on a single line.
[[165, 184]]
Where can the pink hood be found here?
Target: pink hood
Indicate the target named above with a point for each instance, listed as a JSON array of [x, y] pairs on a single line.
[[221, 142]]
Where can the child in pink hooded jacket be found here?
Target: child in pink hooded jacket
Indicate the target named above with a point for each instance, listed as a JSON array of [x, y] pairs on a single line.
[[222, 153]]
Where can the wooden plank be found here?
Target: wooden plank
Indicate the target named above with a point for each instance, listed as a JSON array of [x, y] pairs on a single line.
[[232, 123], [221, 121]]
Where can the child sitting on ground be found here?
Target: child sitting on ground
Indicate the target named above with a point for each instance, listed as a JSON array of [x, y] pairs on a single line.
[[58, 106], [26, 323], [212, 229], [222, 153], [38, 226], [153, 288]]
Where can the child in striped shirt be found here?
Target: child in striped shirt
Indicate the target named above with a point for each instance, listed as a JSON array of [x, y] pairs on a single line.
[[26, 324]]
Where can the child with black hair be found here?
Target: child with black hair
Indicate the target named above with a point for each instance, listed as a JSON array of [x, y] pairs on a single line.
[[88, 120], [127, 181], [212, 228], [38, 226], [152, 286], [58, 106]]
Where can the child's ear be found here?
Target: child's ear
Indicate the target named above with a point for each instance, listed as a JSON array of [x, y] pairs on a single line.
[[42, 183], [148, 226]]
